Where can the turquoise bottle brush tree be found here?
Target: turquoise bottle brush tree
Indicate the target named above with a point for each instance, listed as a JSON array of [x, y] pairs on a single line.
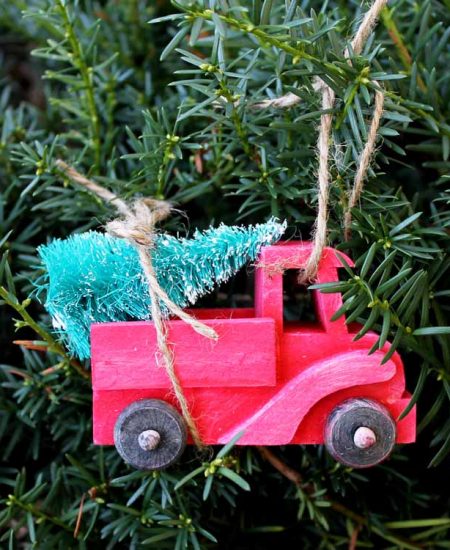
[[94, 277]]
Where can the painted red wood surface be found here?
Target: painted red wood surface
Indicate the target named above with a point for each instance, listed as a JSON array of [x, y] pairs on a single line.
[[201, 362], [277, 381]]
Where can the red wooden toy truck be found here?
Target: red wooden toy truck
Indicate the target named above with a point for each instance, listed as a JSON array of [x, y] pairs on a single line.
[[276, 381]]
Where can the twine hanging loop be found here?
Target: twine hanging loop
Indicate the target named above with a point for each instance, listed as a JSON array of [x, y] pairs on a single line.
[[324, 144]]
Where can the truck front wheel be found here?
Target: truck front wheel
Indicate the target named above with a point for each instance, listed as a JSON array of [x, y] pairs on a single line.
[[360, 433], [150, 434]]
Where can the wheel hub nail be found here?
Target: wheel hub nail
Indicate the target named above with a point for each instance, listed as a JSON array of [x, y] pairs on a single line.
[[149, 440], [364, 438]]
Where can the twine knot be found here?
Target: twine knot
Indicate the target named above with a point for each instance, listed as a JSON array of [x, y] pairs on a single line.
[[138, 223]]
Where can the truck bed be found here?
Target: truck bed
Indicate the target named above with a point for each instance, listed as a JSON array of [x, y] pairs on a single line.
[[125, 355]]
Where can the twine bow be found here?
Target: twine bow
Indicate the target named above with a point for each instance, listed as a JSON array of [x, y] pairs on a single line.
[[138, 226]]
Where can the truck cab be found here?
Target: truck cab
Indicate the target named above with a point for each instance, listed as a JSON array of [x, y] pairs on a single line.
[[268, 379]]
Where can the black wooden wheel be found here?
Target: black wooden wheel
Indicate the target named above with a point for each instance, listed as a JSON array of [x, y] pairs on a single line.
[[150, 434], [360, 433]]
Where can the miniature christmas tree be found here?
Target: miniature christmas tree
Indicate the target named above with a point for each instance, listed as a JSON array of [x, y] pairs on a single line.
[[93, 277]]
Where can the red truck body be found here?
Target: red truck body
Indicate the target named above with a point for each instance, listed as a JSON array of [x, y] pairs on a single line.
[[275, 381]]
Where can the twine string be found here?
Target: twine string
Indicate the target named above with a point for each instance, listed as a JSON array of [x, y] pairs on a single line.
[[137, 226], [365, 28], [98, 190], [364, 161], [323, 146]]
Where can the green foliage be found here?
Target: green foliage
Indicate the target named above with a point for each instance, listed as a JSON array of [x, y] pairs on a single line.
[[172, 109]]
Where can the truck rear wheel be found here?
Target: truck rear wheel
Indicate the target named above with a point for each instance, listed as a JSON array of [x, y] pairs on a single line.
[[150, 434], [360, 433]]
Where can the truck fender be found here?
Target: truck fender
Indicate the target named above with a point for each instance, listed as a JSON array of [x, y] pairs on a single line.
[[276, 422]]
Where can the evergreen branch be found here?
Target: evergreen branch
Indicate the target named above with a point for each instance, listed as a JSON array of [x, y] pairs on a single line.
[[79, 61], [438, 126], [13, 501], [245, 162], [225, 92], [52, 344], [264, 39], [285, 470], [295, 477], [387, 16], [168, 156]]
